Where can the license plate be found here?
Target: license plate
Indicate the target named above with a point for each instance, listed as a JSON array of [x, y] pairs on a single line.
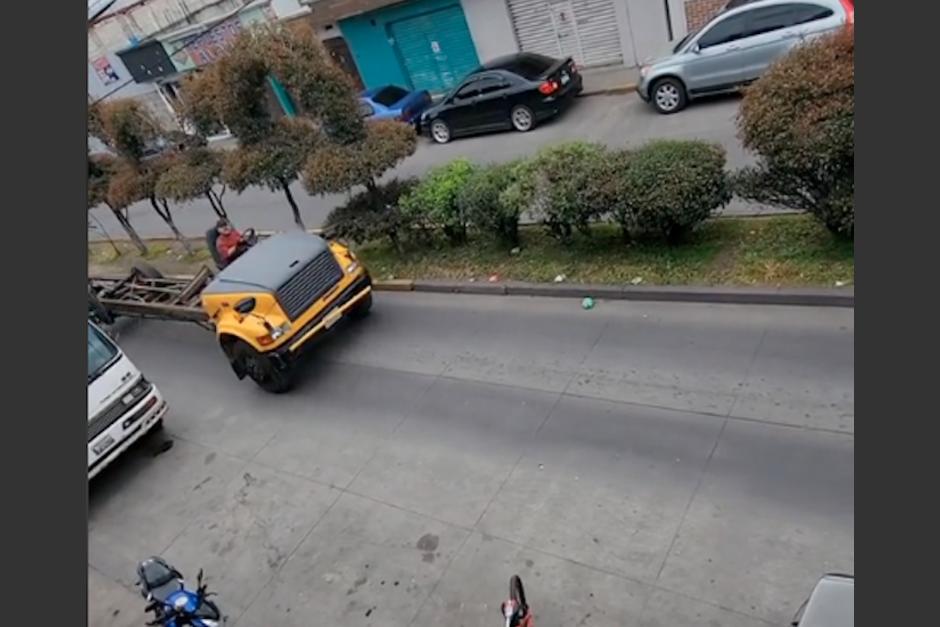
[[331, 318], [565, 78], [103, 445]]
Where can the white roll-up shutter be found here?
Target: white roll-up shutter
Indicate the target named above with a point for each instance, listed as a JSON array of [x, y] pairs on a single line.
[[583, 29]]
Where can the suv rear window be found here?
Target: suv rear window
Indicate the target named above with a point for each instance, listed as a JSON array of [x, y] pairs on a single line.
[[769, 19], [529, 66], [727, 30], [803, 13], [387, 96]]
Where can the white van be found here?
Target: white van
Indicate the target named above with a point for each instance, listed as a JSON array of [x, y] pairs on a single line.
[[122, 404]]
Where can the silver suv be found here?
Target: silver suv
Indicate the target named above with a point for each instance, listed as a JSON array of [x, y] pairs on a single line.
[[736, 47]]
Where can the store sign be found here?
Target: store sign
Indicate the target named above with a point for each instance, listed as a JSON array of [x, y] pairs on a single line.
[[205, 48]]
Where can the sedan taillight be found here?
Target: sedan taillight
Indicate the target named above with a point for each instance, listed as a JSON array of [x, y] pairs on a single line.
[[548, 87]]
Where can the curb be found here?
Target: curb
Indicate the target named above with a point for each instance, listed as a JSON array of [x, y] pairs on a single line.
[[804, 297], [794, 297], [609, 91]]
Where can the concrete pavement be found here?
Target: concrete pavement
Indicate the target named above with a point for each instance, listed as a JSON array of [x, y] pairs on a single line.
[[638, 464], [613, 120]]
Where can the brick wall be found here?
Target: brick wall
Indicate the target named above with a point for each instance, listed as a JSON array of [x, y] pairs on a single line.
[[697, 12]]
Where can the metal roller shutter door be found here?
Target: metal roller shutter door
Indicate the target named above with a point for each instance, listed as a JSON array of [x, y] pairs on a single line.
[[583, 29], [436, 48]]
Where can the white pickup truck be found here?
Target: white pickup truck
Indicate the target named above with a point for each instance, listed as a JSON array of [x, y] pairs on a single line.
[[122, 404]]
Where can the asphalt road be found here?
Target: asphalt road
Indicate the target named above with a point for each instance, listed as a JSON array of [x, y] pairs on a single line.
[[613, 120], [638, 464]]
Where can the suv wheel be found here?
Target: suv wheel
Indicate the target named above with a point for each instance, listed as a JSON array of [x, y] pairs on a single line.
[[668, 95]]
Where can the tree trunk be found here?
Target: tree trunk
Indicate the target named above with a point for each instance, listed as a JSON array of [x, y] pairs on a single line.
[[396, 241], [168, 218], [219, 207], [216, 205], [130, 230], [293, 204], [107, 236]]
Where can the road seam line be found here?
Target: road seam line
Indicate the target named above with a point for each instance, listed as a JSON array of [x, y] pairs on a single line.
[[700, 412]]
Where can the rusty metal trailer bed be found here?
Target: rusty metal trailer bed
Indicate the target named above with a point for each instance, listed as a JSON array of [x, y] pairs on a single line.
[[144, 293]]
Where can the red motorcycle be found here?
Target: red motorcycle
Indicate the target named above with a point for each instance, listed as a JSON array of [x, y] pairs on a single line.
[[515, 610]]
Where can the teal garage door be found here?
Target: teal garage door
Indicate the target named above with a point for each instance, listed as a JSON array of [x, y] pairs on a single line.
[[435, 48]]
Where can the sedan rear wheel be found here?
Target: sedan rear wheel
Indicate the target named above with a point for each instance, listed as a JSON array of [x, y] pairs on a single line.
[[440, 131], [522, 118]]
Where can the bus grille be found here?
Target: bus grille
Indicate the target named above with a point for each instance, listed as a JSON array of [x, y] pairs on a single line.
[[309, 284]]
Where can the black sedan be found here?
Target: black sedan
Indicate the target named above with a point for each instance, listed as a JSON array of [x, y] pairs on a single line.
[[511, 92]]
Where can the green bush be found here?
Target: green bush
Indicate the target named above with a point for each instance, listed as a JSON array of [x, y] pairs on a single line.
[[373, 214], [666, 188], [480, 200], [432, 203], [800, 119], [558, 186]]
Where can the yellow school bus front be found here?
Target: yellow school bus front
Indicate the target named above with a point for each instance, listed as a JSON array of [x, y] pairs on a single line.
[[283, 293]]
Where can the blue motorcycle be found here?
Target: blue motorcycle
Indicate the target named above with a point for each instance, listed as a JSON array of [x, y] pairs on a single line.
[[172, 604]]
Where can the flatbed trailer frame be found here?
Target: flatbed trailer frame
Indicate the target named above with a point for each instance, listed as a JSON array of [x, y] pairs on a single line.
[[145, 294]]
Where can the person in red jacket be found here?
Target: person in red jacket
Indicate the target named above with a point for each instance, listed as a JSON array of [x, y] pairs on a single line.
[[229, 241]]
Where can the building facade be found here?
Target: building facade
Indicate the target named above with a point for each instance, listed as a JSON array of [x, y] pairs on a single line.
[[143, 48], [698, 12], [430, 44]]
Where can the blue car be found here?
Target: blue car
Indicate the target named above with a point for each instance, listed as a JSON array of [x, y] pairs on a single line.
[[393, 103]]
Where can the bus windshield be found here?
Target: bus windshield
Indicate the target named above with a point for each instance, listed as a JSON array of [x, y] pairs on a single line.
[[101, 353]]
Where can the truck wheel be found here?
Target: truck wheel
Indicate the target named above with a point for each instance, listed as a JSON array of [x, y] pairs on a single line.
[[361, 310], [147, 271], [261, 369]]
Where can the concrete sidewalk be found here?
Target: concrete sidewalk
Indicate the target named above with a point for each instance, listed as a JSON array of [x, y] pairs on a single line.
[[608, 80]]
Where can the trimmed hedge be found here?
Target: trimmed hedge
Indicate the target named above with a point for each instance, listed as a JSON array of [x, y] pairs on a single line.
[[663, 189], [433, 202], [559, 186], [373, 214], [482, 200], [667, 188], [800, 119]]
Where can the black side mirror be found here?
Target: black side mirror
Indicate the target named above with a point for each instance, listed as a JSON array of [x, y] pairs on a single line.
[[244, 306]]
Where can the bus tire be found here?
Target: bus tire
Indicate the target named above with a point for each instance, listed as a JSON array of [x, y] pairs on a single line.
[[261, 369]]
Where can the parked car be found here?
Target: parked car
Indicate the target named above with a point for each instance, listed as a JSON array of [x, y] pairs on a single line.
[[736, 47], [393, 103], [831, 604], [512, 92]]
